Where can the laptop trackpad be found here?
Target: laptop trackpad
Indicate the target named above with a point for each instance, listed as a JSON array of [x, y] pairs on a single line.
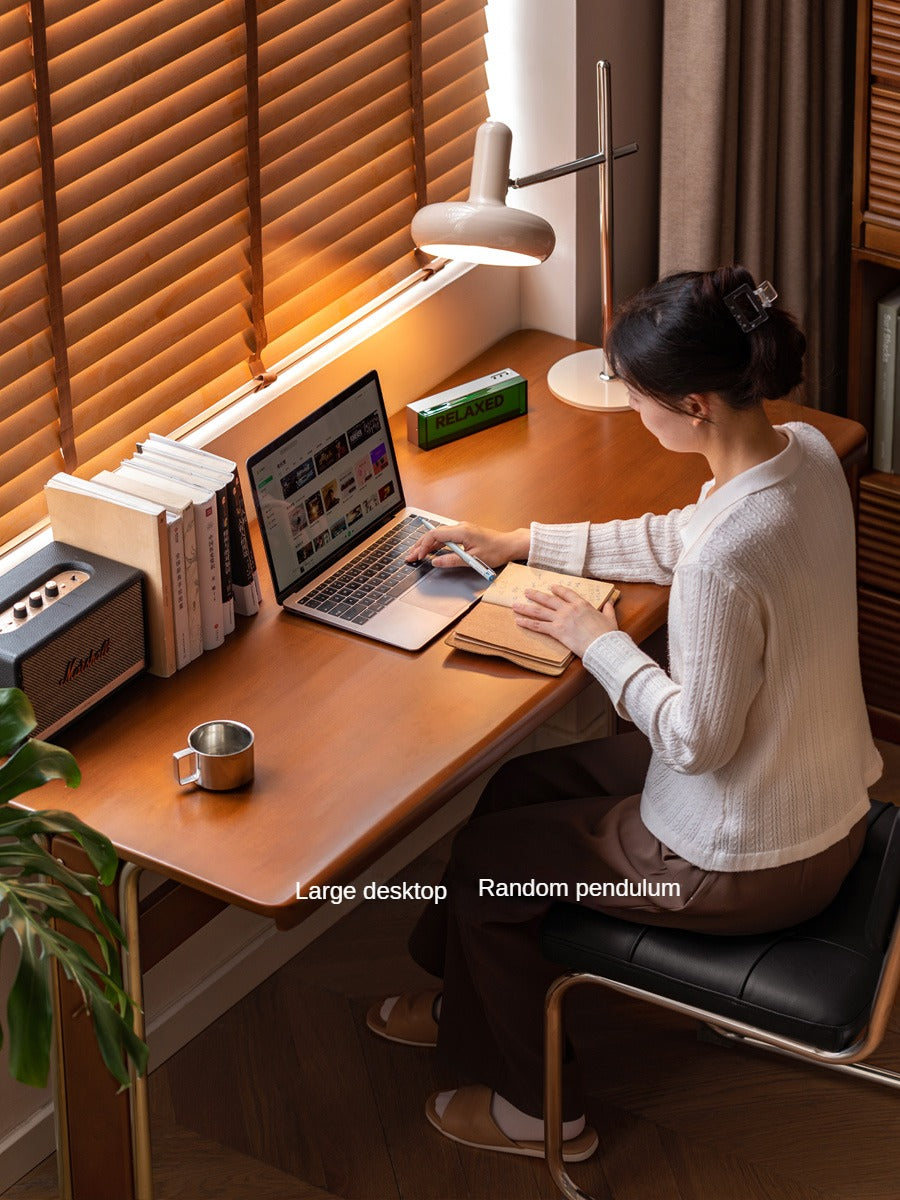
[[447, 591]]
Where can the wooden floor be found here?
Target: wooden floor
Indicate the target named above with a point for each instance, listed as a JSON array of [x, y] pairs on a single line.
[[287, 1097]]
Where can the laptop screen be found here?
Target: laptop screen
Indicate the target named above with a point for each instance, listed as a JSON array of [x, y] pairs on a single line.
[[323, 486]]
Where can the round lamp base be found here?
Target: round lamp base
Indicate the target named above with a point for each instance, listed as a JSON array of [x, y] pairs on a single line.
[[576, 380]]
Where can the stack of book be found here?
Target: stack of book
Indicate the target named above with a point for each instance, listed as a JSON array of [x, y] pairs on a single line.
[[886, 440], [178, 515]]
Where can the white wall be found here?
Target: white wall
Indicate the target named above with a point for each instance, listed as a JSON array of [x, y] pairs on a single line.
[[542, 59], [531, 51]]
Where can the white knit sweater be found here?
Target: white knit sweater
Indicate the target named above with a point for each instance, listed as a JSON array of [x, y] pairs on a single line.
[[762, 752]]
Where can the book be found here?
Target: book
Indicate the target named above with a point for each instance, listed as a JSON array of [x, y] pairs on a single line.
[[887, 363], [181, 467], [206, 526], [245, 576], [185, 577], [490, 627], [130, 530]]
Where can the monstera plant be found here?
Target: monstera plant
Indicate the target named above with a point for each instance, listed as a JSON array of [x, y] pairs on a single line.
[[37, 907]]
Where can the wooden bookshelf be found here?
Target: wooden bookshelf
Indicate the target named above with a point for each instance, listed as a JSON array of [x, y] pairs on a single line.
[[875, 235], [874, 271]]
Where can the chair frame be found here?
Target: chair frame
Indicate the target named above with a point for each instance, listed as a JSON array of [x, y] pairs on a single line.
[[848, 1060]]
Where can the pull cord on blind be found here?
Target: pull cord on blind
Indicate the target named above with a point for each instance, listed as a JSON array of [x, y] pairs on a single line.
[[254, 200], [51, 234], [186, 151]]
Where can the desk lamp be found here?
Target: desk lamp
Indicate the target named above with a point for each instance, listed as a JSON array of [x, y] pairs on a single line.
[[483, 230]]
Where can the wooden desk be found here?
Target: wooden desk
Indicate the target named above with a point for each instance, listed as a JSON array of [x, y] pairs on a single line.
[[356, 743]]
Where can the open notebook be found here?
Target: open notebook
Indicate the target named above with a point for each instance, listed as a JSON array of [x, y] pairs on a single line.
[[490, 628]]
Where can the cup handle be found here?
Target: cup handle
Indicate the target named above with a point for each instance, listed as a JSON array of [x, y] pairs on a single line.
[[176, 764]]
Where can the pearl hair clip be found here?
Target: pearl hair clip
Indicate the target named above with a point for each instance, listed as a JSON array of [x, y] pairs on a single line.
[[749, 305]]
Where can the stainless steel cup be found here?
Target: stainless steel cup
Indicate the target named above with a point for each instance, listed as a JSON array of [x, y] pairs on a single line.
[[222, 754]]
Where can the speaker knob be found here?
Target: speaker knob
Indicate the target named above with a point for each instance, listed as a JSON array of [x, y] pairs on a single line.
[[20, 611], [36, 600], [51, 588]]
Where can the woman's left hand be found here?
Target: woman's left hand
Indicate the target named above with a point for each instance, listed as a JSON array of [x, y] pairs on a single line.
[[566, 616]]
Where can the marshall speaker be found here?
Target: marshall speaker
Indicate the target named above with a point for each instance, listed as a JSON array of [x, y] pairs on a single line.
[[71, 631]]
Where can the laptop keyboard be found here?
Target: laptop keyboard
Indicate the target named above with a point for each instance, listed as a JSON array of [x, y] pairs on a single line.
[[369, 582]]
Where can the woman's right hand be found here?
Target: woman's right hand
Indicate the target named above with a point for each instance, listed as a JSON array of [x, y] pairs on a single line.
[[492, 546]]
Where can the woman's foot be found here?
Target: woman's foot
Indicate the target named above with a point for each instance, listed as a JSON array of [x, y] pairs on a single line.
[[410, 1019], [476, 1116]]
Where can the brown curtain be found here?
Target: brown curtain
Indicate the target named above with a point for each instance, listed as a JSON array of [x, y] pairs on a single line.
[[755, 162]]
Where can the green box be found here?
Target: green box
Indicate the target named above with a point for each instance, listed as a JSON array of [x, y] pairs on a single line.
[[467, 408]]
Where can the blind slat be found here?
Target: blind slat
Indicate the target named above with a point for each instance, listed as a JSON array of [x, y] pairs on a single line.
[[171, 315], [311, 322], [327, 159], [20, 248], [33, 395], [110, 387], [88, 143], [309, 250], [22, 340], [316, 102], [182, 213], [178, 184], [94, 69], [284, 26]]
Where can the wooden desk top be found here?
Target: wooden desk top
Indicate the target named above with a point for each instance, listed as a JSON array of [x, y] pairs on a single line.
[[356, 743]]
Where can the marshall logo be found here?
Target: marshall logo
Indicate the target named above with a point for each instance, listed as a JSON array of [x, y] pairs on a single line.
[[76, 666]]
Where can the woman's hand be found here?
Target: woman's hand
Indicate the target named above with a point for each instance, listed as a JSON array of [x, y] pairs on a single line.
[[566, 616], [493, 547]]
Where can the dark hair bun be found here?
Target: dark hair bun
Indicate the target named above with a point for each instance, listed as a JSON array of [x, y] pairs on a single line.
[[678, 337]]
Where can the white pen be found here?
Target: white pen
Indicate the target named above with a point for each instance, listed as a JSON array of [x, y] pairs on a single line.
[[475, 563]]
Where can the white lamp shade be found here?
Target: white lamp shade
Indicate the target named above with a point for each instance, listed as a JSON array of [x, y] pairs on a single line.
[[482, 229]]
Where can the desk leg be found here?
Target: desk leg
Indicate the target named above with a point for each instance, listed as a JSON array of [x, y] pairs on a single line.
[[103, 1141]]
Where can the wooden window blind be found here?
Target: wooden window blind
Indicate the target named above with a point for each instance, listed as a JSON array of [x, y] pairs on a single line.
[[191, 189]]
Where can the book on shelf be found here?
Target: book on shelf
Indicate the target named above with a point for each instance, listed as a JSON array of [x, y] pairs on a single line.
[[130, 530], [886, 423], [490, 627]]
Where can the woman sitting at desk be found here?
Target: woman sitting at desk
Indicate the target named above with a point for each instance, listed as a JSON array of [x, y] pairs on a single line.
[[747, 784]]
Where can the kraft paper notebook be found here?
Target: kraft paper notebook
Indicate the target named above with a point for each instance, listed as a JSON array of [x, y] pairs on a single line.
[[490, 627]]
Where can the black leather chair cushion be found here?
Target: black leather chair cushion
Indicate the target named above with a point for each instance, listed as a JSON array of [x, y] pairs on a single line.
[[814, 982]]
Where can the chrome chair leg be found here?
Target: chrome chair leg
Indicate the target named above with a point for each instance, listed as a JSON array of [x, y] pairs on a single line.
[[554, 1035]]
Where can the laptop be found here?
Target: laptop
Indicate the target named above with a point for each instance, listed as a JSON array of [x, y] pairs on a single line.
[[336, 527]]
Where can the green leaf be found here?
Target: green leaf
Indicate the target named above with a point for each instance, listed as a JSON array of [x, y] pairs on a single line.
[[46, 822], [29, 1016], [110, 1030], [111, 1009], [36, 905], [33, 765], [17, 718], [55, 902], [32, 859]]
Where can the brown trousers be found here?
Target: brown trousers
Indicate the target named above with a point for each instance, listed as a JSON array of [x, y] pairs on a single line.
[[571, 815]]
